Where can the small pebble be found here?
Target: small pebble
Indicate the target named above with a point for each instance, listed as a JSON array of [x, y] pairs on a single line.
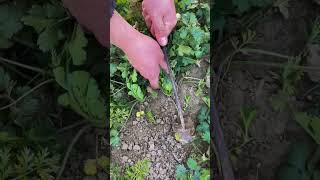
[[158, 121], [130, 146], [125, 158], [135, 123], [124, 146], [151, 146], [153, 153], [136, 148]]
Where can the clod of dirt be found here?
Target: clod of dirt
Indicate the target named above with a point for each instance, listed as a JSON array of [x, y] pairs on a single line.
[[314, 61]]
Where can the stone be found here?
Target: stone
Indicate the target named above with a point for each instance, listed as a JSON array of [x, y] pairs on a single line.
[[134, 122], [130, 146], [124, 146], [151, 146], [136, 147], [125, 158]]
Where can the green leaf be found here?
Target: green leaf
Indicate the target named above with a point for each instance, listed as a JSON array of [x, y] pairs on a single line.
[[248, 115], [49, 39], [150, 117], [9, 20], [113, 69], [64, 99], [288, 173], [60, 76], [206, 136], [135, 91], [184, 50], [205, 174], [192, 164], [134, 76], [310, 124], [76, 47], [166, 85], [181, 172], [299, 155], [84, 97]]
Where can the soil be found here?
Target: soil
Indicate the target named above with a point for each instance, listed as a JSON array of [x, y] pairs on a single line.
[[141, 139], [252, 85]]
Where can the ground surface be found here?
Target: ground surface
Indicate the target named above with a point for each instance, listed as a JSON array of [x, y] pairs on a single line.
[[141, 139], [251, 85]]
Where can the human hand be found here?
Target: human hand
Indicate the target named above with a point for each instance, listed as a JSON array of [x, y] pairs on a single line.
[[146, 56], [160, 17]]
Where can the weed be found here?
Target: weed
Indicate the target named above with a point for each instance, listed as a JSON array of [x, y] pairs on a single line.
[[247, 116], [192, 171], [139, 171]]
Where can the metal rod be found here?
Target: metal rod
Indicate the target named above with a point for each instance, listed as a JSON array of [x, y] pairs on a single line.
[[175, 91]]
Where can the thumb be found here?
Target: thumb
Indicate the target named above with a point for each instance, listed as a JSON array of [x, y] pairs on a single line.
[[160, 30], [154, 83]]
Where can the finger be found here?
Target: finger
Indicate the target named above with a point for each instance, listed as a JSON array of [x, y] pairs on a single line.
[[152, 30], [147, 19], [160, 31], [170, 22], [164, 65], [154, 83]]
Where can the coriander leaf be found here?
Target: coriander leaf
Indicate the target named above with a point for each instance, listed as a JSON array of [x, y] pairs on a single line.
[[84, 97], [60, 76], [48, 39], [76, 47], [192, 164], [135, 91], [181, 172], [206, 136], [113, 69], [9, 20], [184, 50], [54, 11]]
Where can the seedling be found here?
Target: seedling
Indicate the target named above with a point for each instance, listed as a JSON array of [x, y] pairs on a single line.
[[187, 99], [247, 115]]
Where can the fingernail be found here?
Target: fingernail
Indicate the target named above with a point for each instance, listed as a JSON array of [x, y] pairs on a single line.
[[163, 41]]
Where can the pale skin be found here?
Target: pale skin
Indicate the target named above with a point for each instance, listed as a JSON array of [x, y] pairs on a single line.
[[144, 53]]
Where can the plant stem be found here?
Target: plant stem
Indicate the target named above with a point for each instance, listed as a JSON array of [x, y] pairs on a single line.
[[71, 126], [279, 65], [117, 82], [264, 52], [65, 159], [128, 116], [26, 94], [22, 65]]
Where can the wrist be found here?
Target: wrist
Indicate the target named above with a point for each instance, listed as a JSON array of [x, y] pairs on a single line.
[[122, 34]]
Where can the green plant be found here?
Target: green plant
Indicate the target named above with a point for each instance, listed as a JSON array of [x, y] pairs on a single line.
[[248, 115], [289, 78], [310, 123], [150, 117], [204, 124], [138, 171], [301, 163], [187, 99], [28, 164], [192, 171]]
